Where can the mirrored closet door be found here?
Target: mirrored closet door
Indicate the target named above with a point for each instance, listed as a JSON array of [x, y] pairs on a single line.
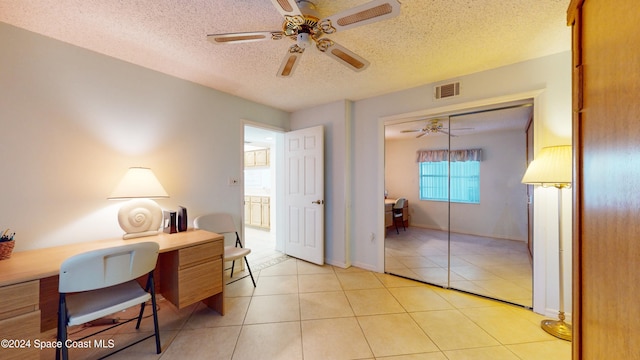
[[466, 208]]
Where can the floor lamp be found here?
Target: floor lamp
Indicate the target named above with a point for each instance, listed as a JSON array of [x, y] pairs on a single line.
[[552, 167]]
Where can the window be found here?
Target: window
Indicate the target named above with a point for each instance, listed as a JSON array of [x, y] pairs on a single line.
[[465, 181]]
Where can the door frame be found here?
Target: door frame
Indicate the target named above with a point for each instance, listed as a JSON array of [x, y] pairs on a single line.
[[279, 169], [530, 192]]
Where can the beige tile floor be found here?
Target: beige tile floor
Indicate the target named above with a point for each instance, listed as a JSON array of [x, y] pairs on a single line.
[[262, 244], [496, 268], [304, 311]]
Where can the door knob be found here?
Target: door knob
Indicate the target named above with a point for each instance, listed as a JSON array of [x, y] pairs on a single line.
[[319, 202]]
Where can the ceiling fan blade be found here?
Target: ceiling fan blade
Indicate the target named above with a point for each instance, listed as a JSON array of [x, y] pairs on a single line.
[[421, 135], [408, 131], [243, 37], [287, 7], [290, 61], [376, 10], [444, 132], [343, 55]]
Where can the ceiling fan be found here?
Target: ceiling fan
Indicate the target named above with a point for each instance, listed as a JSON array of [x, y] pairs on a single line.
[[432, 127], [302, 25]]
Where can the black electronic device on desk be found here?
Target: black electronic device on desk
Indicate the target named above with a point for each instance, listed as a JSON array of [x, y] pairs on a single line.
[[169, 222], [182, 219]]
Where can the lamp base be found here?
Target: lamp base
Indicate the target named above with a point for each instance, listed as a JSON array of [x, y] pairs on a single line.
[[139, 234], [139, 217], [557, 328]]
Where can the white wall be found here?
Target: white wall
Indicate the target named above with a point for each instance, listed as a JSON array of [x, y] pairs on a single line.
[[502, 211], [72, 121]]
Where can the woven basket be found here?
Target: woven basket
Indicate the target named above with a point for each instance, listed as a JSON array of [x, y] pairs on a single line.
[[6, 248]]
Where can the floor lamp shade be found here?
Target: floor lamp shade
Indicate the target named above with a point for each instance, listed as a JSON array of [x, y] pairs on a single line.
[[140, 216], [552, 167]]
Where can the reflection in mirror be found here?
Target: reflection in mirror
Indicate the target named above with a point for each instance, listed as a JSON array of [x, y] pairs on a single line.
[[421, 252], [467, 231]]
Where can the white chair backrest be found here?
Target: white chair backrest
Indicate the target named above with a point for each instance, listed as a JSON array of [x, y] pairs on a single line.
[[107, 267], [399, 203], [220, 223]]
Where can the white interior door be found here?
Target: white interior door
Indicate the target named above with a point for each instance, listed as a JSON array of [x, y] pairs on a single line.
[[304, 194]]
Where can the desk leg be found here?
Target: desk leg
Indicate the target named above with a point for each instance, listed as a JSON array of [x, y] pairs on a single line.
[[216, 302]]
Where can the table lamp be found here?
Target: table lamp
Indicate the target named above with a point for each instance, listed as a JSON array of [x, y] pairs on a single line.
[[552, 167], [140, 216]]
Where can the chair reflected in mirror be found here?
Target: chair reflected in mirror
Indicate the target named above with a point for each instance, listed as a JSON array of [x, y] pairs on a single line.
[[398, 214]]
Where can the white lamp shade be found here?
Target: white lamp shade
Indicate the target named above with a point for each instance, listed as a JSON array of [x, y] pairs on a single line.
[[139, 182], [552, 166]]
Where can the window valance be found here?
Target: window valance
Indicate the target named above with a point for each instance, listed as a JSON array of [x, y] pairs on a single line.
[[443, 155]]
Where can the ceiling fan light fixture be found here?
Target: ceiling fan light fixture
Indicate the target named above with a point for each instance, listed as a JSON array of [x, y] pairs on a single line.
[[303, 40]]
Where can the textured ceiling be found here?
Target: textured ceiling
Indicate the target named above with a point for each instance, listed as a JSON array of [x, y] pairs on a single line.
[[430, 41]]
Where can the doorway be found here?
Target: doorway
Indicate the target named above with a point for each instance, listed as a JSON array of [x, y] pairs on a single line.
[[474, 241], [283, 194], [262, 194]]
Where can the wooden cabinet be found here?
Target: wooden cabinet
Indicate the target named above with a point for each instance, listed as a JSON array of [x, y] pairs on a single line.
[[20, 319], [249, 158], [262, 157], [606, 209], [266, 210], [247, 210], [192, 274], [255, 158], [257, 210]]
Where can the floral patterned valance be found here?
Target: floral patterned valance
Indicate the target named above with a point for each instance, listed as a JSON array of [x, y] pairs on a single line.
[[443, 155]]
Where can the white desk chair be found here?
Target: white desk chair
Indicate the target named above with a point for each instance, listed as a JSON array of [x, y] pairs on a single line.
[[222, 223], [101, 282]]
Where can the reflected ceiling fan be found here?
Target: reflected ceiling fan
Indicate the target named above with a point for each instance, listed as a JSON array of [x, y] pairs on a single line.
[[432, 127], [302, 25]]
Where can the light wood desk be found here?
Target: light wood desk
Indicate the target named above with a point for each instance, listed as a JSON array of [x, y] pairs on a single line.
[[189, 269]]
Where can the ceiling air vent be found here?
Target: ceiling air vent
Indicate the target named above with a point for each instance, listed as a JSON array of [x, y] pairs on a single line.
[[447, 90]]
